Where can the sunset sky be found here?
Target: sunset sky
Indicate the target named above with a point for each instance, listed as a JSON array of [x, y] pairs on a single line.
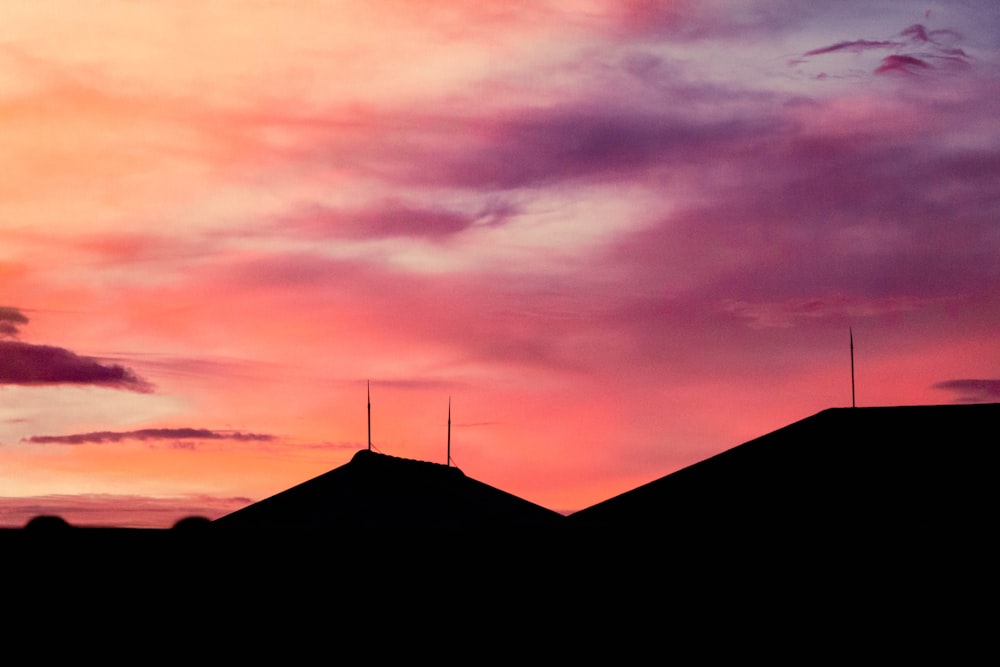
[[618, 236]]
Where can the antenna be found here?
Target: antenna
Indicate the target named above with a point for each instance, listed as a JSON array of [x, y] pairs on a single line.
[[369, 415], [449, 432], [851, 331]]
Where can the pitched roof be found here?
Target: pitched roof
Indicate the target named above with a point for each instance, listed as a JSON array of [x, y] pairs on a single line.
[[378, 492], [847, 471]]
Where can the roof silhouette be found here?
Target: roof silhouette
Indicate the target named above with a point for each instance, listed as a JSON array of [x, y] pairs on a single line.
[[879, 473], [833, 529], [385, 493]]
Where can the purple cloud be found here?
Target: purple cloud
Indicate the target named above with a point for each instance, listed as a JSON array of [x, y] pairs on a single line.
[[856, 46], [575, 142], [917, 33], [802, 217], [11, 320], [792, 311], [101, 437], [920, 35], [27, 364], [591, 134], [689, 20], [972, 391], [787, 237], [934, 45], [390, 218]]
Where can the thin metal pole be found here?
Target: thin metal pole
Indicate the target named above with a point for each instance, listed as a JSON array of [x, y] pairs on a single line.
[[369, 415], [852, 367], [449, 432]]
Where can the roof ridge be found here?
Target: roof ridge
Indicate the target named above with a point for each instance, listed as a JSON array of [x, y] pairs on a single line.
[[362, 454]]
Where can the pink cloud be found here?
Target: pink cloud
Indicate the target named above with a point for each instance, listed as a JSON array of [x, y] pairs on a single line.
[[128, 248], [397, 307], [899, 63]]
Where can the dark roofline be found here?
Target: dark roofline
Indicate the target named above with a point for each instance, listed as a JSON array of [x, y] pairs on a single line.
[[365, 456]]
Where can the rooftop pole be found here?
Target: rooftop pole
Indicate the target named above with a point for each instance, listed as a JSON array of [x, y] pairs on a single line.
[[369, 415], [852, 366], [449, 432]]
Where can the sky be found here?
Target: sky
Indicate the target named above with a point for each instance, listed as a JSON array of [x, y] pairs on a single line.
[[612, 237]]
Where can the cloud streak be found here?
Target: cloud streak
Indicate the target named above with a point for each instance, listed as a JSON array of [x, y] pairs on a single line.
[[972, 391], [147, 434], [913, 53], [856, 46], [587, 141], [388, 219]]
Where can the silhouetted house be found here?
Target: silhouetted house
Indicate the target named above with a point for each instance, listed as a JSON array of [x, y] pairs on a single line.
[[379, 494], [901, 476]]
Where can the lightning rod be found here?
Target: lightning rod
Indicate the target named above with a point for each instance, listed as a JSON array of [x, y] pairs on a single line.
[[851, 331]]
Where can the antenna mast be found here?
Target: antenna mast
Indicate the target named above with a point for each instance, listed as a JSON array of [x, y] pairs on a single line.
[[449, 432], [852, 366], [369, 415]]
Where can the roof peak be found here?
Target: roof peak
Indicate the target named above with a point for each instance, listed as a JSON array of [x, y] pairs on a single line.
[[365, 455]]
